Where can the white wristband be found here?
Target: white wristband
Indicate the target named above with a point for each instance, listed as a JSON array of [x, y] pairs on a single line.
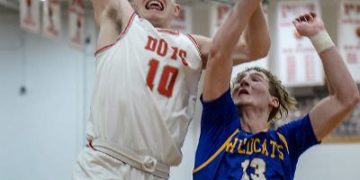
[[322, 41]]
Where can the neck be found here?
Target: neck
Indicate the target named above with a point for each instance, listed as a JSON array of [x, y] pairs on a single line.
[[161, 25], [253, 120]]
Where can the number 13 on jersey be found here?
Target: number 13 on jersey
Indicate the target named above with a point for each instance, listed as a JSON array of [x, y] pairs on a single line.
[[259, 166]]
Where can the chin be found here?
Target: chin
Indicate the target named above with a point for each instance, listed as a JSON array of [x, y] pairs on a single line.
[[153, 14], [156, 23], [238, 102], [242, 102], [155, 19]]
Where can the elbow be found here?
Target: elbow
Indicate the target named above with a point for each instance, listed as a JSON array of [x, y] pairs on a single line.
[[217, 54], [355, 96], [356, 99], [352, 100], [261, 51], [265, 48], [264, 52]]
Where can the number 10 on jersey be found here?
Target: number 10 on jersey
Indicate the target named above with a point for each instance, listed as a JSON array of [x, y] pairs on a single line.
[[168, 73], [167, 78]]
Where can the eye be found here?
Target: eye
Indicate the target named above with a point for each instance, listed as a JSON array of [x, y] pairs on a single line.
[[256, 79]]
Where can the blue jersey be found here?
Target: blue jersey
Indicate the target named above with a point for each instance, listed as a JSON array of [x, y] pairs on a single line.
[[227, 152]]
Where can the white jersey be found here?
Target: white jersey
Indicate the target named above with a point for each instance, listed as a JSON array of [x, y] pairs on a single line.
[[146, 91]]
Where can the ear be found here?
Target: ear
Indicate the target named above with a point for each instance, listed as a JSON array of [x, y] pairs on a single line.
[[274, 102], [177, 10]]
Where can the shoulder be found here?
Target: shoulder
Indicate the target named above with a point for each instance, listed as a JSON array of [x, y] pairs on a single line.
[[108, 37], [224, 100], [201, 40], [204, 44], [299, 132], [219, 113], [302, 122]]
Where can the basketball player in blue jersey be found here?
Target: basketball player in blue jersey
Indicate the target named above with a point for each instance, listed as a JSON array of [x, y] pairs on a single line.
[[235, 141], [146, 87]]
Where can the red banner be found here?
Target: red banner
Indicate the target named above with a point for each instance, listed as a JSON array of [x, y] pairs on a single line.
[[29, 15], [52, 19]]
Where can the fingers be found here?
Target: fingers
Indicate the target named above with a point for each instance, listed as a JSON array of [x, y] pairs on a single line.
[[308, 17], [304, 19], [313, 15], [296, 22]]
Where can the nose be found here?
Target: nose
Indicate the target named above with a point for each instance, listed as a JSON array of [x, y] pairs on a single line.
[[244, 81]]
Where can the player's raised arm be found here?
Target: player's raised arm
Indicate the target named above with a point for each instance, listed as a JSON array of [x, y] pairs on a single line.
[[98, 8], [219, 65], [255, 41], [344, 94], [253, 44], [111, 16]]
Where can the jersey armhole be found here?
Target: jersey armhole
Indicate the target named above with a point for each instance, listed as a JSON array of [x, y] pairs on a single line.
[[120, 36], [193, 40]]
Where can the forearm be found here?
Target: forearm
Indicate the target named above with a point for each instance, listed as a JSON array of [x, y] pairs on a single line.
[[255, 41], [233, 26], [340, 83], [343, 96], [333, 109], [219, 65]]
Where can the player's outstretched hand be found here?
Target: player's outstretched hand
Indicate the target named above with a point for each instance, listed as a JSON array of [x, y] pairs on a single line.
[[308, 24]]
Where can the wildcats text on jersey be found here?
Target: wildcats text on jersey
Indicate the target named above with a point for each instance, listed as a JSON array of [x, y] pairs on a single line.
[[266, 147]]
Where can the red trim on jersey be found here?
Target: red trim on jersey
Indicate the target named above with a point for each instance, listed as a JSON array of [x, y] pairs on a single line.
[[173, 32], [121, 35], [89, 144], [192, 39]]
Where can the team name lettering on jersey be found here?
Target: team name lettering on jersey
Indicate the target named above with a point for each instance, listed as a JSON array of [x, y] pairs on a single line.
[[161, 48], [256, 146]]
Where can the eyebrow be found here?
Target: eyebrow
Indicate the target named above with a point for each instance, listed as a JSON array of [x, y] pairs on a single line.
[[258, 74], [238, 79], [251, 74]]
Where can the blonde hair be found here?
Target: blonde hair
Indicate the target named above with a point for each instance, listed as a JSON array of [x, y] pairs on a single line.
[[276, 89]]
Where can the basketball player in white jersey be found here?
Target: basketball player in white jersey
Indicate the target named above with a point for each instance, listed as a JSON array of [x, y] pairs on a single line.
[[146, 87]]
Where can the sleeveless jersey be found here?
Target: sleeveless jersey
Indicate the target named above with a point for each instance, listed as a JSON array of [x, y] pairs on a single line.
[[146, 91]]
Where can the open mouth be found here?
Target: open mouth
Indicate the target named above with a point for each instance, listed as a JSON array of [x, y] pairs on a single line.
[[243, 91], [154, 5]]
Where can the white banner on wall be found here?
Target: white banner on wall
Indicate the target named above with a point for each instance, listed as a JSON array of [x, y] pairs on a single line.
[[218, 14], [76, 23], [51, 19], [183, 23], [298, 63], [29, 15], [77, 6], [349, 36], [76, 30]]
